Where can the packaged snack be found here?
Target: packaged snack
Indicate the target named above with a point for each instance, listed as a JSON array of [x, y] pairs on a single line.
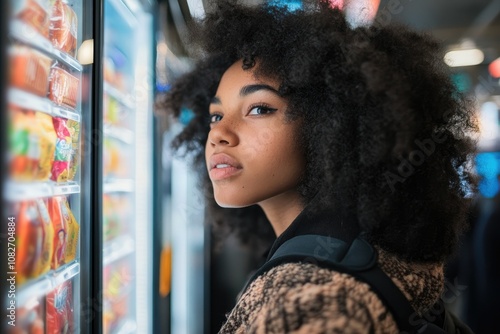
[[22, 162], [67, 146], [29, 70], [59, 308], [63, 87], [33, 13], [117, 280], [30, 318], [32, 142], [66, 230], [63, 28], [43, 265], [35, 235], [116, 158]]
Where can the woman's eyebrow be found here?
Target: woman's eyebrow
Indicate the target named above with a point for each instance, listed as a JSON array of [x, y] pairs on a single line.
[[249, 89]]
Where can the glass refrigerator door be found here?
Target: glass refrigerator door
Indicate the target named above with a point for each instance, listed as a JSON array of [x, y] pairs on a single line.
[[45, 95], [127, 168]]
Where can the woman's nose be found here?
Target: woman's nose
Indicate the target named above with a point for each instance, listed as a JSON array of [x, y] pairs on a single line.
[[223, 134]]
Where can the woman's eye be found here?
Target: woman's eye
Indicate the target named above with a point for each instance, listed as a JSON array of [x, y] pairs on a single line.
[[261, 110], [215, 118]]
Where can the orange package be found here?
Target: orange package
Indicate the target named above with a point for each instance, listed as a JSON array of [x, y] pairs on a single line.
[[63, 87], [30, 318], [66, 157], [32, 142], [63, 28], [35, 238], [29, 70], [59, 308], [33, 13], [66, 230]]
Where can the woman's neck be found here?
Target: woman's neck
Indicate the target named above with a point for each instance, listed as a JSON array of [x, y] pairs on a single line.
[[281, 210]]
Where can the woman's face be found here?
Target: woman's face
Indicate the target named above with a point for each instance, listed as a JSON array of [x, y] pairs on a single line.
[[252, 152]]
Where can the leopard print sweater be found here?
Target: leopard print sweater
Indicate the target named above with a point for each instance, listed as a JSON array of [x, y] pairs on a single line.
[[304, 298]]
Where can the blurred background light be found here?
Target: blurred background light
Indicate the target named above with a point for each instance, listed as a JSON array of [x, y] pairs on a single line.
[[471, 57]]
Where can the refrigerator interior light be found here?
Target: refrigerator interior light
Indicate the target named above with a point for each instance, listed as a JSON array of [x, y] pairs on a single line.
[[86, 52], [467, 57]]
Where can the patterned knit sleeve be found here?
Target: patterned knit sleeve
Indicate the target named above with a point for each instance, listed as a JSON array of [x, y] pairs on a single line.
[[323, 302]]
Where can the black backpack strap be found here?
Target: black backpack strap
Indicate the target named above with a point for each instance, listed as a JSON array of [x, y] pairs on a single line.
[[358, 259]]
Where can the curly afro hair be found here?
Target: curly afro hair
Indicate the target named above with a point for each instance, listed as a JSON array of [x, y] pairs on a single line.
[[387, 135]]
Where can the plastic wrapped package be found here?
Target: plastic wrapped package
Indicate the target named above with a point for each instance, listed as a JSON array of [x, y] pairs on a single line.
[[66, 161], [30, 318], [117, 280], [59, 310], [29, 70], [33, 13], [63, 87], [63, 31], [35, 239], [116, 211], [66, 231], [116, 156], [32, 142]]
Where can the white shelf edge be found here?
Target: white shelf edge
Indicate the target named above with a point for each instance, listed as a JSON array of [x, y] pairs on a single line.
[[19, 191], [129, 326], [118, 185], [48, 282], [117, 95], [28, 35], [117, 248], [27, 100], [124, 135]]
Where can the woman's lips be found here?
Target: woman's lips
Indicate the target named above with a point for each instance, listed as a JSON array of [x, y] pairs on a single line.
[[222, 166]]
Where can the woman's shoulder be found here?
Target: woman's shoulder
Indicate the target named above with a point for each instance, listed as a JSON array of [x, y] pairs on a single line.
[[302, 297]]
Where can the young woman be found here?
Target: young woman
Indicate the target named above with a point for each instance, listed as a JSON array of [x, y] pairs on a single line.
[[305, 125]]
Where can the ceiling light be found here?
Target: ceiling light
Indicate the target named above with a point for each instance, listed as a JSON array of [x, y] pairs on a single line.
[[469, 57]]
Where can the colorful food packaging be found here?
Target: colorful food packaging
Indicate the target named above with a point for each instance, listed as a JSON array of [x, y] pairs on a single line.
[[65, 163], [116, 158], [59, 308], [34, 238], [66, 231], [32, 142], [29, 70], [63, 28], [30, 318], [63, 87], [33, 13], [116, 288], [22, 161]]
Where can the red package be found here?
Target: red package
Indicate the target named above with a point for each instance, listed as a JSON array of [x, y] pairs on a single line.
[[59, 305], [35, 237], [63, 28], [66, 155], [63, 87], [30, 318], [29, 70], [33, 13]]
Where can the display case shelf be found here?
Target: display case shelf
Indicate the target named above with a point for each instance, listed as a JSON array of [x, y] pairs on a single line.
[[117, 248], [118, 95], [28, 35], [118, 185], [122, 134], [43, 285], [128, 327], [27, 100], [21, 191]]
